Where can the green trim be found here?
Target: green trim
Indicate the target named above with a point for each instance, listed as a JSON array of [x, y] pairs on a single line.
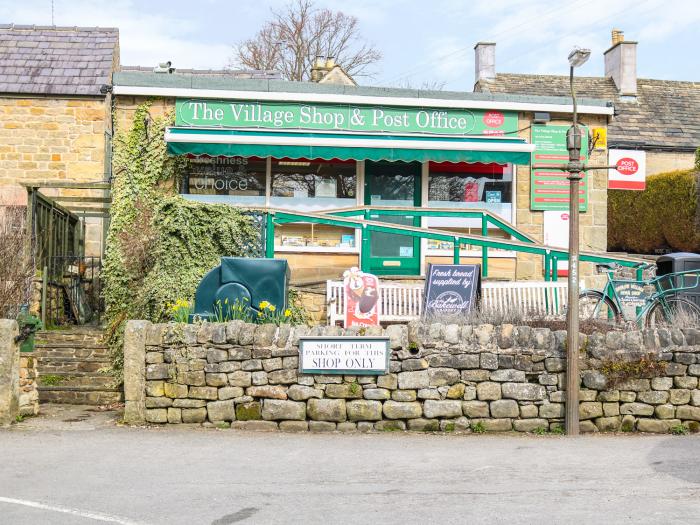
[[344, 153]]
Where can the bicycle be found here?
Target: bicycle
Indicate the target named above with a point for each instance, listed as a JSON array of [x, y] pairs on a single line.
[[648, 302]]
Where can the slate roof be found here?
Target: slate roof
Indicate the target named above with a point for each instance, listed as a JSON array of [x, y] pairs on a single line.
[[148, 79], [664, 115], [216, 73], [50, 60]]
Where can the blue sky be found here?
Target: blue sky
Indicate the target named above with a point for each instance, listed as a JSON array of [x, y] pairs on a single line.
[[422, 40]]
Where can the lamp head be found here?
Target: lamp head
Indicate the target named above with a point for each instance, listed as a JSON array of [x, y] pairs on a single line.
[[579, 56]]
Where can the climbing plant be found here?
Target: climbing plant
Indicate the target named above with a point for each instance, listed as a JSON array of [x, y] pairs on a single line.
[[159, 245]]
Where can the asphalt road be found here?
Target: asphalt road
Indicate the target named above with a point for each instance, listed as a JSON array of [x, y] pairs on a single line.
[[78, 470]]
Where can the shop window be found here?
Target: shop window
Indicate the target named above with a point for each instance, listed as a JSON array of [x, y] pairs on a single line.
[[464, 185], [227, 179], [313, 184], [292, 237]]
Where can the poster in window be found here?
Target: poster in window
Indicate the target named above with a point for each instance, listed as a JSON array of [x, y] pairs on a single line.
[[471, 192], [361, 298], [493, 197]]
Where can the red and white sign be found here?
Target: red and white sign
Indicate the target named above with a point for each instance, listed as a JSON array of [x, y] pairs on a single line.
[[494, 119], [631, 169], [556, 233], [361, 298]]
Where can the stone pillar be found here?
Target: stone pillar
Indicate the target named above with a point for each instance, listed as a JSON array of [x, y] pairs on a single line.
[[135, 372], [9, 372]]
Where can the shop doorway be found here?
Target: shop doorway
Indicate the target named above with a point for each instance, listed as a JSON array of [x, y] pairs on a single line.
[[394, 184]]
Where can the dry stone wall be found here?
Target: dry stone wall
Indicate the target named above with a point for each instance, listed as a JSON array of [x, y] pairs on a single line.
[[442, 378]]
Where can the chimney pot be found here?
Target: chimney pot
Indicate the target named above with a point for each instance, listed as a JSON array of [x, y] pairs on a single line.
[[617, 36], [330, 63], [484, 61]]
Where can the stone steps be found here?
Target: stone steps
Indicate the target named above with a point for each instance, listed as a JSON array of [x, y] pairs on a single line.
[[74, 357]]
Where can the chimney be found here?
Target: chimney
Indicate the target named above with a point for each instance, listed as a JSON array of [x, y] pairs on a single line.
[[318, 69], [484, 61], [621, 63]]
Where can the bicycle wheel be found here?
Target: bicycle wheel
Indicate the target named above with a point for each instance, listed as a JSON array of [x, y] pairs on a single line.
[[593, 305], [677, 311]]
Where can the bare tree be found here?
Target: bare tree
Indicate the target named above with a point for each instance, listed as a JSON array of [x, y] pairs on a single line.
[[292, 39]]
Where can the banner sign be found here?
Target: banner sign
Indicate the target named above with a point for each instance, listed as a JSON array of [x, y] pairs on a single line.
[[361, 298], [556, 233], [549, 189], [451, 289], [631, 169], [344, 355], [338, 117]]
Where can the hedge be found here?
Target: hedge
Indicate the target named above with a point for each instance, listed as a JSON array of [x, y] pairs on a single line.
[[664, 216]]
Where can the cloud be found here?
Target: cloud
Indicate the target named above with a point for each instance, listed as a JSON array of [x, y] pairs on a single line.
[[146, 38]]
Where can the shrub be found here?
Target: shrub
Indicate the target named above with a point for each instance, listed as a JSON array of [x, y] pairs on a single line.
[[619, 370], [159, 245], [665, 215]]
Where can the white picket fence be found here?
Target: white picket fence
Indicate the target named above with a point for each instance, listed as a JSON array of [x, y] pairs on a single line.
[[403, 302]]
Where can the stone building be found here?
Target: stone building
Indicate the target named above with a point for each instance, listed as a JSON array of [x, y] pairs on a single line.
[[55, 122], [314, 146], [660, 117]]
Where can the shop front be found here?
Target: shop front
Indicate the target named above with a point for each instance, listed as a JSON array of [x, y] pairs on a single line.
[[320, 157]]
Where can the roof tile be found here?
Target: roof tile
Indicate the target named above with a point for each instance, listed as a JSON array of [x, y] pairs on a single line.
[[54, 60], [660, 106]]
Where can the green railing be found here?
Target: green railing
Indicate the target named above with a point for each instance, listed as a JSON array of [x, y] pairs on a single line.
[[521, 244]]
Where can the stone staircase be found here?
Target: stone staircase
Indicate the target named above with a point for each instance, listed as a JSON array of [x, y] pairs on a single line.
[[68, 364]]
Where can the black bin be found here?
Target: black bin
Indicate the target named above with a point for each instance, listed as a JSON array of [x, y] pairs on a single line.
[[680, 262]]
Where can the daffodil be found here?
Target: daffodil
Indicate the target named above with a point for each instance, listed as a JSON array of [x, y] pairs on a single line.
[[287, 313], [272, 307], [263, 305]]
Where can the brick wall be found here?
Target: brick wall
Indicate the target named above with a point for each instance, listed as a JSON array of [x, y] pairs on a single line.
[[53, 139]]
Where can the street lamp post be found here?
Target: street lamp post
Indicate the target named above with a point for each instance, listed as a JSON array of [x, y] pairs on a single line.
[[573, 144], [575, 168]]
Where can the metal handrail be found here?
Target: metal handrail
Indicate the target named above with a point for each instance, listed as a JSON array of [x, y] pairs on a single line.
[[551, 254]]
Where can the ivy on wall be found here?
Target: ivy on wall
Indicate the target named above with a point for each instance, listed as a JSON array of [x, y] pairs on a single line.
[[159, 245]]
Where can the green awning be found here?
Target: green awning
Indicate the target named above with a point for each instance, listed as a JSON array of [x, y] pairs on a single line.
[[346, 146]]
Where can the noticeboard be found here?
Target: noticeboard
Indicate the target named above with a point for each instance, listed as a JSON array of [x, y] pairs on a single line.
[[451, 289], [344, 355], [549, 188]]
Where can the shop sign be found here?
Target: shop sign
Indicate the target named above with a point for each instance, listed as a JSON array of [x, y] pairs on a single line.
[[631, 169], [344, 355], [632, 295], [336, 117], [493, 197], [549, 188], [361, 298], [451, 289]]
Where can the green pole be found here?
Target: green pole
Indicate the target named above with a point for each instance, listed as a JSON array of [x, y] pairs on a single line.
[[455, 251], [484, 249], [44, 288], [364, 251], [547, 265], [270, 237]]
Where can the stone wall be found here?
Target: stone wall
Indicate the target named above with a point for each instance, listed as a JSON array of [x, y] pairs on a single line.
[[442, 377], [593, 222], [54, 139], [28, 388], [9, 372], [662, 161]]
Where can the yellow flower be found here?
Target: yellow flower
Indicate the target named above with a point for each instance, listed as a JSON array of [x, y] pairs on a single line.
[[263, 305], [259, 314], [272, 307], [287, 313]]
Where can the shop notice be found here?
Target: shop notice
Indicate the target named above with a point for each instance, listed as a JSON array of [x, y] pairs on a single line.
[[344, 355]]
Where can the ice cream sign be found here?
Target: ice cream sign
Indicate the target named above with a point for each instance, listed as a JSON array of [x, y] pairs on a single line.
[[631, 170]]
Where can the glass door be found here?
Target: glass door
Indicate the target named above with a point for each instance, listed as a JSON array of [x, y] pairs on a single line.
[[393, 184]]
